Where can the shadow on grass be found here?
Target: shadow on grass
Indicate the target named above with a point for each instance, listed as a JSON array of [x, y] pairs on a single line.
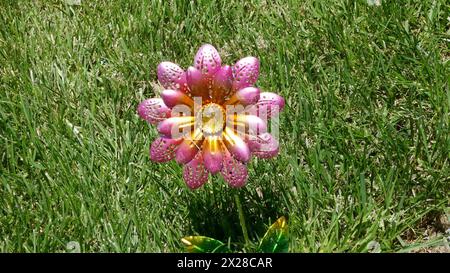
[[214, 213]]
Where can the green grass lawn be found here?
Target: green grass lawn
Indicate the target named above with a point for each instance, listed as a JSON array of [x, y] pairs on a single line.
[[365, 134]]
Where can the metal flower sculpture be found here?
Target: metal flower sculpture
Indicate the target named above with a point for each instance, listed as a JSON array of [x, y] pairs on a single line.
[[211, 118]]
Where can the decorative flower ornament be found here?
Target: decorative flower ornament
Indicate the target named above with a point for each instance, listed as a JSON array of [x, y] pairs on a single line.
[[211, 118]]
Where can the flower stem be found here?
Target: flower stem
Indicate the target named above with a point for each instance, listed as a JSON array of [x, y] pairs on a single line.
[[242, 219]]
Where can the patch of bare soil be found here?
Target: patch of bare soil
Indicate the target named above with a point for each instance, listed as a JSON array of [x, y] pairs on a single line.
[[434, 227]]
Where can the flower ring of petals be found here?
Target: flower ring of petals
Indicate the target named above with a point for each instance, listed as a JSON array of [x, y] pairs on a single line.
[[211, 118]]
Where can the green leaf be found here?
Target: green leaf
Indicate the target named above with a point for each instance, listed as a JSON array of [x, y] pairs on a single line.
[[276, 238], [202, 244]]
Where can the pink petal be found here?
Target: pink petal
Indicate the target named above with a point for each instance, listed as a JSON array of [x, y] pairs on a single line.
[[222, 84], [212, 154], [236, 145], [247, 124], [263, 146], [171, 76], [153, 110], [195, 173], [269, 104], [245, 72], [189, 148], [198, 85], [174, 97], [163, 149], [207, 60], [245, 96], [176, 127], [234, 171]]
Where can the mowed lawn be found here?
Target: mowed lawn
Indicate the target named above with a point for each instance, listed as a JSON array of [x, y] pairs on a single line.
[[365, 134]]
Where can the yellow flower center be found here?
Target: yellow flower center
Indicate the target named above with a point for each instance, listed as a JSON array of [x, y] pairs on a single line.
[[212, 117]]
